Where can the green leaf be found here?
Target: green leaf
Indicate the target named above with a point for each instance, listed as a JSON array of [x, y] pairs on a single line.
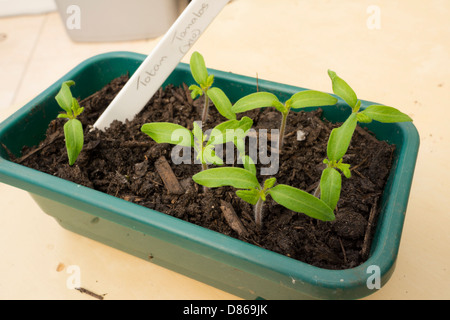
[[363, 118], [198, 142], [385, 114], [219, 177], [357, 107], [73, 133], [195, 91], [245, 124], [345, 168], [343, 90], [166, 132], [210, 81], [198, 133], [210, 157], [269, 183], [231, 130], [222, 103], [251, 196], [77, 110], [254, 101], [280, 107], [199, 152], [300, 201], [64, 96], [249, 164], [330, 187], [198, 69], [340, 139], [75, 105], [311, 98]]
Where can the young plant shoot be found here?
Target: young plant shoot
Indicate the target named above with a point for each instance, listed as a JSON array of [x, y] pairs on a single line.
[[303, 99], [73, 129], [340, 138], [204, 87], [231, 130], [252, 192]]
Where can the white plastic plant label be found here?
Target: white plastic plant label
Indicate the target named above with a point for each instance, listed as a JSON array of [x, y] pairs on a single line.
[[155, 69]]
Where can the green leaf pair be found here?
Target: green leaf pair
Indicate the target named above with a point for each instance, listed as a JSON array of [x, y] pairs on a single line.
[[251, 191], [231, 130], [383, 114], [340, 138], [379, 113], [300, 100], [205, 82], [73, 129]]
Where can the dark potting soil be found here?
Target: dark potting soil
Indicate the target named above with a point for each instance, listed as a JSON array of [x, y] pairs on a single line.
[[121, 162]]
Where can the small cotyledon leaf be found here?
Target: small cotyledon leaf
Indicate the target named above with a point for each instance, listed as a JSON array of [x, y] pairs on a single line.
[[166, 132], [230, 130], [330, 187], [300, 201], [238, 178], [198, 69], [221, 102], [73, 133], [64, 96], [254, 101], [342, 89], [311, 98], [340, 138], [251, 196], [385, 114]]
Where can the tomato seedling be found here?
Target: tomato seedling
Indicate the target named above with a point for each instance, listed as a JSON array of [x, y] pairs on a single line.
[[300, 100], [204, 87], [250, 190], [340, 138], [204, 145], [73, 129]]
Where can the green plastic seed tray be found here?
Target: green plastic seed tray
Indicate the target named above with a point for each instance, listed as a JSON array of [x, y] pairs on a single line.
[[231, 265]]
